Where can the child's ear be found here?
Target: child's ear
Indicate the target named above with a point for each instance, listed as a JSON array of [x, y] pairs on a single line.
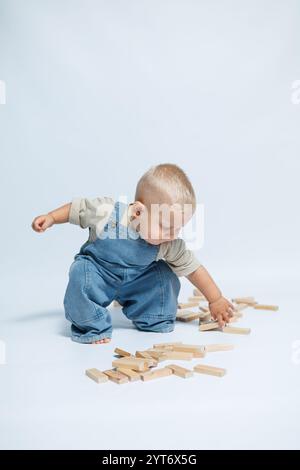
[[138, 208]]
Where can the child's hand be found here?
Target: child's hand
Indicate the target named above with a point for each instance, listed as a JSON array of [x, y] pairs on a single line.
[[42, 222], [221, 310]]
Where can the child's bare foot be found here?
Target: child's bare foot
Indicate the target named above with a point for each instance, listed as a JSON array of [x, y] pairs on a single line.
[[101, 341]]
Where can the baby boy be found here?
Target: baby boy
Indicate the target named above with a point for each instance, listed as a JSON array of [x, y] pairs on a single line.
[[133, 255]]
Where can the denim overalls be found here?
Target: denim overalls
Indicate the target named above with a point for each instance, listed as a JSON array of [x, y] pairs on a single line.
[[119, 265]]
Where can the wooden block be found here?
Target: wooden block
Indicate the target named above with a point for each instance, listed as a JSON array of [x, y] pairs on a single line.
[[205, 317], [266, 307], [245, 300], [210, 370], [122, 353], [156, 374], [145, 355], [116, 376], [188, 304], [240, 307], [180, 371], [237, 314], [204, 309], [192, 348], [196, 298], [163, 345], [236, 330], [158, 354], [96, 375], [180, 355], [134, 363], [187, 316], [213, 325], [131, 374], [218, 347]]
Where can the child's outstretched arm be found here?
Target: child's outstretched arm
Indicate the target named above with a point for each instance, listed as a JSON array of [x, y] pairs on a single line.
[[57, 216], [221, 309]]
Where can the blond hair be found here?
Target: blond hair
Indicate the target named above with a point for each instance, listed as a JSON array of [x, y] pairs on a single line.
[[165, 182]]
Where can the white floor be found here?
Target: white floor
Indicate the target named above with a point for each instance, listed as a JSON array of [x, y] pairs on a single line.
[[47, 401]]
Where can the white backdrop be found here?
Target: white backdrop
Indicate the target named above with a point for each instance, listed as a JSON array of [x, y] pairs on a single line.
[[97, 91]]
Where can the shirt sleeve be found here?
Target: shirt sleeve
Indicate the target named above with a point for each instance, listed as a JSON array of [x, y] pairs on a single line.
[[92, 213], [181, 260]]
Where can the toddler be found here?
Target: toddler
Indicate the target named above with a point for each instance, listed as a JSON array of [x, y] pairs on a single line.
[[133, 255]]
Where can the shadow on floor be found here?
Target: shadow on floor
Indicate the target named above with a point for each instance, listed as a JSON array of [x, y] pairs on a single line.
[[119, 321]]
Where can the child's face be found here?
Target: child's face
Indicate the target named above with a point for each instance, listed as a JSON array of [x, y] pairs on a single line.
[[161, 222]]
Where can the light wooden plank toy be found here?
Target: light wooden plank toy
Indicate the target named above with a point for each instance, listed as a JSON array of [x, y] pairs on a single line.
[[188, 304], [187, 316], [96, 375], [196, 349], [180, 371], [122, 352], [236, 330], [226, 329], [180, 355], [116, 376], [156, 374], [212, 325], [163, 345], [159, 355], [210, 370], [196, 298], [146, 355], [266, 307], [131, 374], [245, 300], [135, 363]]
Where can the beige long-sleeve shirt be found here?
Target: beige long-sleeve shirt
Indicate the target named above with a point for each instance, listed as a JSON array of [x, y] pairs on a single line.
[[95, 213]]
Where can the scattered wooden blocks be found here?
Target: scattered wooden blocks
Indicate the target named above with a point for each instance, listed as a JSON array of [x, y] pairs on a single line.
[[266, 307], [187, 315], [122, 353], [210, 370], [180, 371], [131, 374], [134, 363], [116, 376], [236, 330], [96, 375], [156, 374], [218, 347]]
